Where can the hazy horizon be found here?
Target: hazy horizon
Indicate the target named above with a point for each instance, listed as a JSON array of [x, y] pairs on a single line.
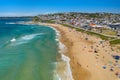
[[28, 15]]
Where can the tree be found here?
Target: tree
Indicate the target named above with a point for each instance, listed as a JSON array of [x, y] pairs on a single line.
[[36, 19]]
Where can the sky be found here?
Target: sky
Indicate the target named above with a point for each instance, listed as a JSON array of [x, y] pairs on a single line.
[[35, 7]]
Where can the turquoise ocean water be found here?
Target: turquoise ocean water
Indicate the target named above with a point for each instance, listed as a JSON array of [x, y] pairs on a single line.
[[27, 52]]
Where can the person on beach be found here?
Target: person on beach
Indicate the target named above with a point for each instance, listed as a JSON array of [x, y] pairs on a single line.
[[111, 69], [117, 74], [95, 51]]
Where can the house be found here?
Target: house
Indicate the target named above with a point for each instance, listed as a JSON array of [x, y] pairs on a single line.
[[118, 33]]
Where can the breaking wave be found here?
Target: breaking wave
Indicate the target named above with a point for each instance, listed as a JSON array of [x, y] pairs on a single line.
[[24, 39], [66, 73]]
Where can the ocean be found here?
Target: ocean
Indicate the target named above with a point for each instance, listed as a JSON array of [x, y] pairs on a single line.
[[31, 52], [27, 52]]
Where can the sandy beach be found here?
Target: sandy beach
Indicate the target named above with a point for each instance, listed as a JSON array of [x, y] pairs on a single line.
[[90, 56]]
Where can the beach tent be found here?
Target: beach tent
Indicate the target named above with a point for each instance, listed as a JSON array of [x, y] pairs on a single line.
[[116, 57]]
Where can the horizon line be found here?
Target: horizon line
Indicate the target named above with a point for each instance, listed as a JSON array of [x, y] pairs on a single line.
[[36, 14]]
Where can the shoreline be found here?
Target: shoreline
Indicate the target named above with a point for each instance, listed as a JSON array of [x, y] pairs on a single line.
[[90, 59], [63, 69], [85, 74], [85, 63]]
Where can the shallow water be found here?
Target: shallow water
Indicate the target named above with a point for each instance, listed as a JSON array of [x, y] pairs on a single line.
[[27, 52]]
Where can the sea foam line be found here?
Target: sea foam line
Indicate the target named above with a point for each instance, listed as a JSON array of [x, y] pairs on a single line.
[[24, 39], [63, 48], [21, 23]]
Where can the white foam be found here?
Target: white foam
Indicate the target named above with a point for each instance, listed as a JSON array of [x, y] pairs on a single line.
[[67, 73], [56, 76], [21, 22], [24, 39], [29, 37], [13, 40], [10, 23]]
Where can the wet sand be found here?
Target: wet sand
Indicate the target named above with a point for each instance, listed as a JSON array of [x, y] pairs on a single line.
[[90, 56]]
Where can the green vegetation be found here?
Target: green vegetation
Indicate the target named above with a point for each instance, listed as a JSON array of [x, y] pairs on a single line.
[[109, 32], [81, 30], [95, 15], [36, 19], [104, 33], [90, 33], [66, 25], [49, 21], [96, 34], [113, 42]]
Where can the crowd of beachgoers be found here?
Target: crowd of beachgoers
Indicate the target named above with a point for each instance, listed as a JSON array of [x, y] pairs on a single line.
[[91, 53], [91, 58]]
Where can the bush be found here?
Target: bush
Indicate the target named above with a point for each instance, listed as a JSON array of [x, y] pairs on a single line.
[[117, 41], [36, 19], [89, 32]]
